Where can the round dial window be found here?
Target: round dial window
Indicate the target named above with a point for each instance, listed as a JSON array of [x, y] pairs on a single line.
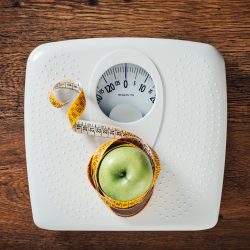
[[125, 92]]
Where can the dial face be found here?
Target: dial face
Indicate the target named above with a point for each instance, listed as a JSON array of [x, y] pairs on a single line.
[[125, 92]]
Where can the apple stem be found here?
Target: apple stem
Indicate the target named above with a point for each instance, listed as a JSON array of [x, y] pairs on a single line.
[[121, 174]]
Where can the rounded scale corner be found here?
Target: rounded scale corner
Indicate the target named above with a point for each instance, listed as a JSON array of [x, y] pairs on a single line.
[[209, 225], [39, 51], [38, 223], [35, 53], [213, 223], [216, 51]]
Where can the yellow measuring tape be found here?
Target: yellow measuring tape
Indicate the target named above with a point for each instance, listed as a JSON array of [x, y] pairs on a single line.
[[119, 137]]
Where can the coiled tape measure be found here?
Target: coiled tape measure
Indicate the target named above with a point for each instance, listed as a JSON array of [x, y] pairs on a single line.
[[118, 138]]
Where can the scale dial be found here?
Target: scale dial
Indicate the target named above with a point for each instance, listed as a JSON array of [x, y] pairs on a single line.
[[125, 92]]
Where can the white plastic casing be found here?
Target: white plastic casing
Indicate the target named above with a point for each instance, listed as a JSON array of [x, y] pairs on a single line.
[[186, 126]]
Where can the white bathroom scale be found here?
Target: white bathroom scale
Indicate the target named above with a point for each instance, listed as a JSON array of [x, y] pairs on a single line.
[[170, 93]]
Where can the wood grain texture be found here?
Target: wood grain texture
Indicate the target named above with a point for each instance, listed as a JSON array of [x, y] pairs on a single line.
[[26, 24]]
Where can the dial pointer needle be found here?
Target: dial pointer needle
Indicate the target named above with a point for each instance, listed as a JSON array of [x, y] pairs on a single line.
[[126, 69]]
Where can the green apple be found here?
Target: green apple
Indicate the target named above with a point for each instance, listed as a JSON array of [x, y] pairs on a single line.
[[125, 173]]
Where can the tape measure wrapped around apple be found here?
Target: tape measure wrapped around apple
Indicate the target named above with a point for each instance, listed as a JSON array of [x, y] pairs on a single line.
[[123, 160]]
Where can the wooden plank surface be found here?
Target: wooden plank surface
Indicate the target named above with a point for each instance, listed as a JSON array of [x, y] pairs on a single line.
[[25, 24]]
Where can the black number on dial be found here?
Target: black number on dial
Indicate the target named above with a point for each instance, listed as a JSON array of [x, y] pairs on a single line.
[[110, 87], [142, 88], [125, 84], [152, 99], [99, 98]]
